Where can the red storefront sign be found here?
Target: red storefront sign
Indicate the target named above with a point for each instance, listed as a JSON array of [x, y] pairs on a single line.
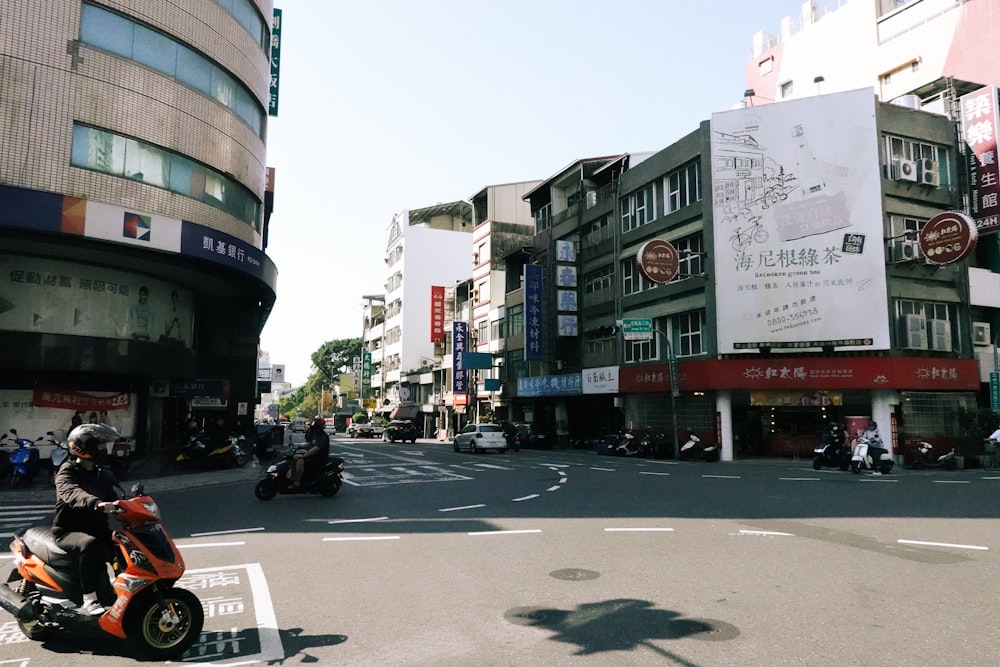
[[78, 400], [763, 373]]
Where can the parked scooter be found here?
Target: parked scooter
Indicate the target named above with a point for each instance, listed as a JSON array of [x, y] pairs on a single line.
[[204, 451], [923, 455], [4, 457], [326, 482], [833, 450], [24, 461], [627, 445], [869, 454], [161, 620], [58, 456], [120, 460], [657, 446], [695, 450]]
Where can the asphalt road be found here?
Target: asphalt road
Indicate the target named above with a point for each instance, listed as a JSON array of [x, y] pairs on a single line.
[[428, 557]]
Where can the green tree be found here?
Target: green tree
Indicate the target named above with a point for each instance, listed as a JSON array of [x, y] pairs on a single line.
[[330, 360]]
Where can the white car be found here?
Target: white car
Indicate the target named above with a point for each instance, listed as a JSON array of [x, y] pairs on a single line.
[[480, 437]]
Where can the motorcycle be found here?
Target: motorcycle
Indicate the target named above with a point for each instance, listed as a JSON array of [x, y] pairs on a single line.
[[833, 451], [627, 445], [159, 619], [695, 450], [24, 461], [869, 454], [204, 451], [922, 455], [657, 446], [326, 482], [120, 460], [4, 458], [58, 456]]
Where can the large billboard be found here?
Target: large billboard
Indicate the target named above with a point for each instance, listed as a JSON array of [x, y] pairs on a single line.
[[796, 200]]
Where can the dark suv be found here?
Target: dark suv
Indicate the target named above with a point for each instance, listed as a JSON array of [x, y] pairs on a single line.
[[401, 430]]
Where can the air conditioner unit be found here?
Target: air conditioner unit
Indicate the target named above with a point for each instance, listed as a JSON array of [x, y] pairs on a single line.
[[915, 332], [929, 172], [904, 170], [941, 335], [981, 333], [904, 250]]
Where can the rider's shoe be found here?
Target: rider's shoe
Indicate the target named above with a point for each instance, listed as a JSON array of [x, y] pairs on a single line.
[[91, 607]]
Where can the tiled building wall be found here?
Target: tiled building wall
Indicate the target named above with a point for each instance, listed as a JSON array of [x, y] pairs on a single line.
[[51, 81]]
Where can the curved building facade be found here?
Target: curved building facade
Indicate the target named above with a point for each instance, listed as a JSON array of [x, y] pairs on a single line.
[[133, 213]]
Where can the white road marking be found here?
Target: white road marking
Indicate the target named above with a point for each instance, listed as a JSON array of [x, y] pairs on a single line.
[[211, 544], [517, 500], [361, 539], [25, 509], [944, 544], [553, 488], [377, 518], [951, 481], [227, 532], [605, 469], [271, 649], [799, 479], [876, 478], [723, 476], [504, 532], [764, 532], [638, 530], [463, 507], [564, 480], [654, 473]]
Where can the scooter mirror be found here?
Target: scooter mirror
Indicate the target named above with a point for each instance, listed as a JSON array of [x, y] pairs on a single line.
[[138, 489]]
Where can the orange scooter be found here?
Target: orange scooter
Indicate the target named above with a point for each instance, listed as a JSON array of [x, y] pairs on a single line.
[[159, 619]]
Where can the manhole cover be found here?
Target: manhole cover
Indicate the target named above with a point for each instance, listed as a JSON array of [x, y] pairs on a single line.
[[574, 574]]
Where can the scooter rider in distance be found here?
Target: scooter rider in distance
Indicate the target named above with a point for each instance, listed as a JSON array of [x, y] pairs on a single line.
[[85, 495], [312, 459]]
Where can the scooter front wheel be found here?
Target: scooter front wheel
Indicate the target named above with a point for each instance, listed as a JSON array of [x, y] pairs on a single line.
[[16, 480], [817, 463], [855, 467], [165, 631], [265, 489]]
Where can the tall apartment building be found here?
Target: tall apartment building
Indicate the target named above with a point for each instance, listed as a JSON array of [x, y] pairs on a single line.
[[133, 212], [425, 248], [784, 300]]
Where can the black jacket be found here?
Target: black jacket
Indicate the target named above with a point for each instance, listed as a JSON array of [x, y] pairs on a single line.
[[78, 493]]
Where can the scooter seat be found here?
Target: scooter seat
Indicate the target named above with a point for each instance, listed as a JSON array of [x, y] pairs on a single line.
[[42, 542]]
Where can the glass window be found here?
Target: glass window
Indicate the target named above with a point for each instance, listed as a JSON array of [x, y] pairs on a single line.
[[114, 33], [107, 31], [155, 50], [515, 320], [121, 156]]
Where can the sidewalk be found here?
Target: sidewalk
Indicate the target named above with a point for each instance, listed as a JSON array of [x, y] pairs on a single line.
[[156, 473]]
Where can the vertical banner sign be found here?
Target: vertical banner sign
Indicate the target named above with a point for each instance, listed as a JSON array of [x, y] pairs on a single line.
[[459, 333], [272, 105], [532, 312], [357, 374], [366, 371], [437, 314], [979, 125], [566, 293], [994, 391]]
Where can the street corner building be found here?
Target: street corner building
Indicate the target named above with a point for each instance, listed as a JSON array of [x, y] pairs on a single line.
[[134, 204]]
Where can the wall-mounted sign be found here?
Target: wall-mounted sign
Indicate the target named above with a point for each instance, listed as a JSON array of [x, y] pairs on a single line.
[[948, 237], [658, 260]]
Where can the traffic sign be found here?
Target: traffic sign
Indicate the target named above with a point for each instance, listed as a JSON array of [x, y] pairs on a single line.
[[637, 328]]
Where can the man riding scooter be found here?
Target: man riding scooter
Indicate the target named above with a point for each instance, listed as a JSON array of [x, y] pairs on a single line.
[[85, 495], [311, 460]]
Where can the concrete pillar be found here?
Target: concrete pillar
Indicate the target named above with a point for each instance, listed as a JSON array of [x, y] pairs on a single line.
[[884, 402]]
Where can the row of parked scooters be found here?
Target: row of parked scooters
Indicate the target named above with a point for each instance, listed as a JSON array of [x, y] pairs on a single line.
[[21, 458], [868, 452]]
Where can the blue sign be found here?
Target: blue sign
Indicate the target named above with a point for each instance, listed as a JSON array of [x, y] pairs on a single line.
[[550, 385]]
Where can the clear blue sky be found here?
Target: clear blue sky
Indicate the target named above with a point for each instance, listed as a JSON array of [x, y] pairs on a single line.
[[388, 105]]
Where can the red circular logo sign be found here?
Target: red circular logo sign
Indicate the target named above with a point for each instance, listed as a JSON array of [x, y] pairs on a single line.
[[658, 260], [948, 237]]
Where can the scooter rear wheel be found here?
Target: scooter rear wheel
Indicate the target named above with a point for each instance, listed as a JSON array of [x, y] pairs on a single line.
[[153, 631], [265, 489]]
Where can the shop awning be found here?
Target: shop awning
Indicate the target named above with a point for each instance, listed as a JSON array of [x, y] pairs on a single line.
[[405, 412]]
